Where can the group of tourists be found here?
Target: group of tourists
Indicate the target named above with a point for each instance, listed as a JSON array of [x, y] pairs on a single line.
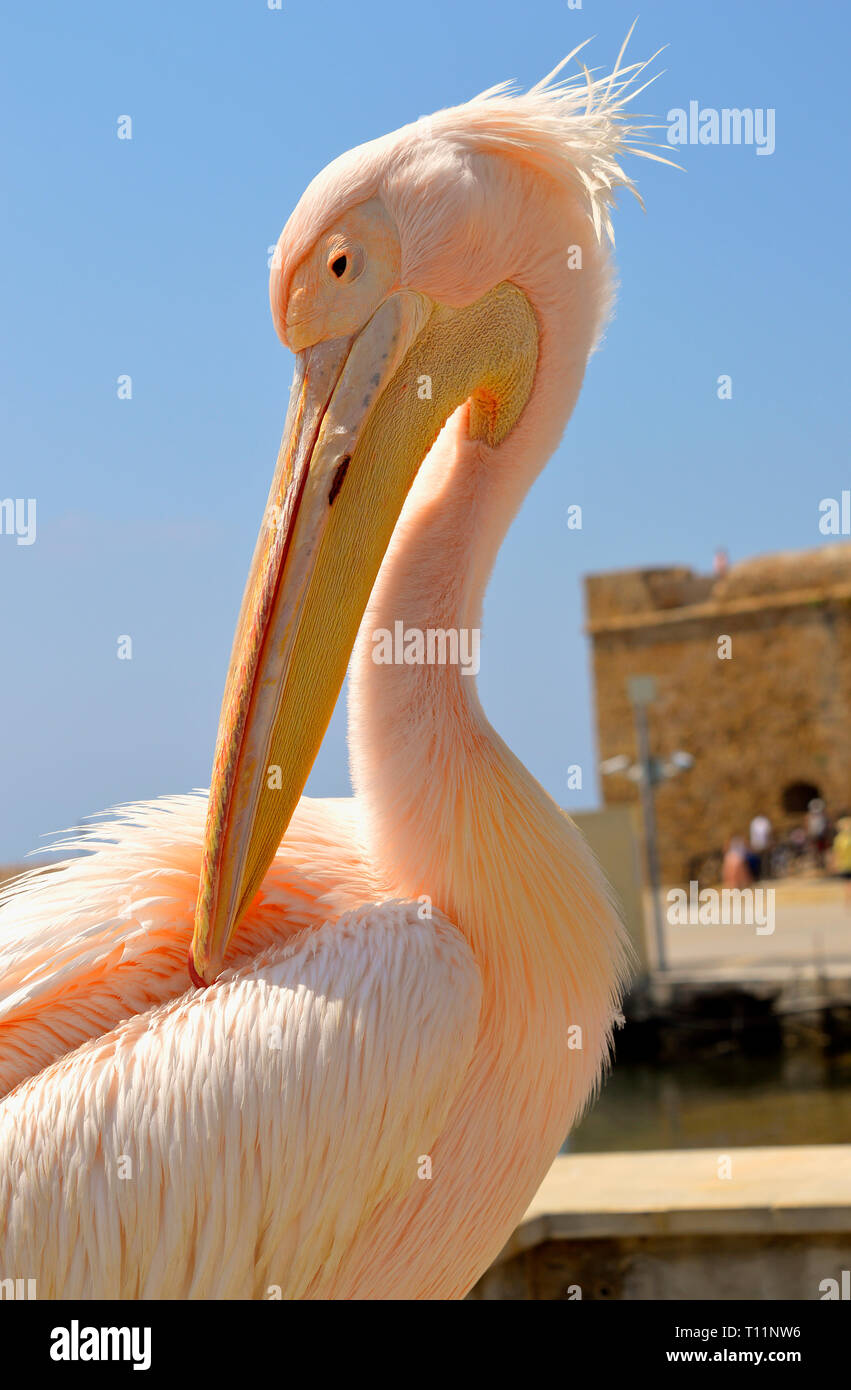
[[819, 843]]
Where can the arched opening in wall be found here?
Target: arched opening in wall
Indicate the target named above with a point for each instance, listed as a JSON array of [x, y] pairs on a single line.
[[797, 797]]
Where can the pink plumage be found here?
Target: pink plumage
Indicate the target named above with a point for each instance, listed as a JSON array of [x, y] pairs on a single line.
[[418, 1003]]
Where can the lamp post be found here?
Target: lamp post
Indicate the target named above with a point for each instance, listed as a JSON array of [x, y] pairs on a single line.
[[648, 772]]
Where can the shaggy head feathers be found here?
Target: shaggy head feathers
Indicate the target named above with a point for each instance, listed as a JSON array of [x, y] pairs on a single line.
[[574, 132]]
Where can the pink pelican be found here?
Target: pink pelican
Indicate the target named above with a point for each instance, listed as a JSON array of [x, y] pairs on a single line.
[[410, 994]]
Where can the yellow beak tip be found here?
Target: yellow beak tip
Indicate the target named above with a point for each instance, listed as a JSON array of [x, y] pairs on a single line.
[[195, 975]]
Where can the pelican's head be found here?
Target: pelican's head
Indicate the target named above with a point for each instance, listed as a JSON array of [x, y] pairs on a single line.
[[397, 283]]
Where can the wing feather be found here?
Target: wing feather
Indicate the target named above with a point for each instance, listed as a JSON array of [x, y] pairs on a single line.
[[86, 943], [232, 1143]]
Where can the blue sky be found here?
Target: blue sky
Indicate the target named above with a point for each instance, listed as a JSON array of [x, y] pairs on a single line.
[[148, 257]]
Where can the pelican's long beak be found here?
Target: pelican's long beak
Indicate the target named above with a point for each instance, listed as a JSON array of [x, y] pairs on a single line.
[[328, 521], [363, 414]]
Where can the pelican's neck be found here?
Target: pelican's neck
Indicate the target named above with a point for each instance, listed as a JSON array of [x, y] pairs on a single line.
[[419, 741], [451, 817]]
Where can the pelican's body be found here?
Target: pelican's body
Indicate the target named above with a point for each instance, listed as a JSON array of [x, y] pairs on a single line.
[[418, 1001]]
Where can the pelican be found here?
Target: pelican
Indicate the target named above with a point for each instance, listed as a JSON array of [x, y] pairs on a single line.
[[399, 1003]]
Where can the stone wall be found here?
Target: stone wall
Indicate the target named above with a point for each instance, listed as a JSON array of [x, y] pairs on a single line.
[[714, 1268], [775, 714]]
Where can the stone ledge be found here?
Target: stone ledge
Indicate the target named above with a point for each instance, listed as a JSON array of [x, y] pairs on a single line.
[[790, 1190], [720, 609]]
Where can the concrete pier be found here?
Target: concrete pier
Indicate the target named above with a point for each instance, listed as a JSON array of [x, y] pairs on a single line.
[[751, 1223]]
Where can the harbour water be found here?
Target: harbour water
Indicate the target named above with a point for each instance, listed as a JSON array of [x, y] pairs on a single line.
[[798, 1097]]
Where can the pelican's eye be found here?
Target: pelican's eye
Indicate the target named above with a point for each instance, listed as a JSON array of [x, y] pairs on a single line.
[[346, 265]]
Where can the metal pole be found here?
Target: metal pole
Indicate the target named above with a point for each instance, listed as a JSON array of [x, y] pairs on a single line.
[[648, 810]]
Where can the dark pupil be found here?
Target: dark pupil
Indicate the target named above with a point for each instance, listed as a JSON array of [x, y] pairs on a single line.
[[339, 266]]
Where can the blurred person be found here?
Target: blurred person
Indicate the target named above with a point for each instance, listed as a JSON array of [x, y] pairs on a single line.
[[735, 870], [817, 830], [840, 855], [760, 841]]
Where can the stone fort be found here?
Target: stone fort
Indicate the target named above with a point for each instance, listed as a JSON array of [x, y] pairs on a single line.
[[767, 724]]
